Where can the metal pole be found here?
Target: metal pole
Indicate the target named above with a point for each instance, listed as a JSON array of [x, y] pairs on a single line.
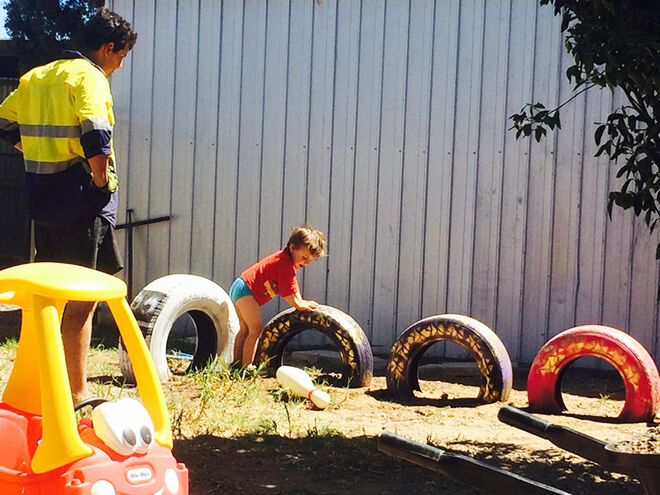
[[129, 225]]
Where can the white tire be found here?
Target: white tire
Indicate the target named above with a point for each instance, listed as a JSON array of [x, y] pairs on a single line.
[[164, 300]]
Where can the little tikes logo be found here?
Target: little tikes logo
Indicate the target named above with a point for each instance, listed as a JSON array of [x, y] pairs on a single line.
[[139, 475]]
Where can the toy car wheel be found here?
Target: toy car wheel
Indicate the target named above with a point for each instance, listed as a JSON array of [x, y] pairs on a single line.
[[631, 360], [483, 344], [340, 328], [163, 301]]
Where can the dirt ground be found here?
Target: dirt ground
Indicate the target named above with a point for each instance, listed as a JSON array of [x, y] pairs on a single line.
[[445, 415]]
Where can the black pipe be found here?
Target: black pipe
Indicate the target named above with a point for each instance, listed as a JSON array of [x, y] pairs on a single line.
[[129, 225], [566, 438], [141, 222], [462, 468]]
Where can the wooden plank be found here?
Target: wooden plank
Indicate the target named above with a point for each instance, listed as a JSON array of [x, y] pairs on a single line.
[[367, 150], [160, 169], [229, 104], [183, 147], [389, 175], [540, 193], [206, 131], [415, 163]]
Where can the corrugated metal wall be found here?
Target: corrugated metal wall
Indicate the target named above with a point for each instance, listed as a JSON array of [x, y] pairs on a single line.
[[383, 123]]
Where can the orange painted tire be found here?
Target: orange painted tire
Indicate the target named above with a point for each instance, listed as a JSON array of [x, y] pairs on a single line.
[[631, 360], [480, 341]]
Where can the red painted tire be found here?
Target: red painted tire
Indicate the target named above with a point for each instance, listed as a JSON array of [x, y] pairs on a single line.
[[483, 344], [635, 365]]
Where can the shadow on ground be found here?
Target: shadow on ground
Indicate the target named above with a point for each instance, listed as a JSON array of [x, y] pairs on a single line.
[[333, 464]]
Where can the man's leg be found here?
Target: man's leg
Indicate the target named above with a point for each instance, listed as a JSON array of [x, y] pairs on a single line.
[[250, 312], [76, 337]]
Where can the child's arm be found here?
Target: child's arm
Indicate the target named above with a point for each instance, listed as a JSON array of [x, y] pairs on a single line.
[[298, 302]]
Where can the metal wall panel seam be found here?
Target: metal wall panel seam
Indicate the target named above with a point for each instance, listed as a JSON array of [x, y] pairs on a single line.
[[217, 147], [378, 174], [332, 139], [527, 194], [354, 159], [174, 115], [578, 248], [238, 153], [401, 175], [420, 308], [477, 164], [496, 322], [553, 196]]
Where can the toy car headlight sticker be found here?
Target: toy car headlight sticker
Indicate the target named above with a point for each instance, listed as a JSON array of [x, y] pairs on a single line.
[[128, 436], [103, 487], [171, 481], [125, 426]]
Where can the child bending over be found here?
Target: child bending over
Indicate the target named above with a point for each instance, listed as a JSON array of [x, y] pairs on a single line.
[[274, 274]]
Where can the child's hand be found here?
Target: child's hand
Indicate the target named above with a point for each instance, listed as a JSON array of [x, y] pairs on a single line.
[[298, 302], [308, 305]]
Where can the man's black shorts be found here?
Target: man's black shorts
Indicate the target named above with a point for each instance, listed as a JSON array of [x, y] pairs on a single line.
[[91, 243]]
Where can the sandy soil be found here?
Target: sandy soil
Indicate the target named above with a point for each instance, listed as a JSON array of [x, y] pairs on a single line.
[[445, 415]]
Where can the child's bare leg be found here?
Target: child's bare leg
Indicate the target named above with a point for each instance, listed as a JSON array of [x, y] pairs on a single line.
[[250, 313], [240, 339]]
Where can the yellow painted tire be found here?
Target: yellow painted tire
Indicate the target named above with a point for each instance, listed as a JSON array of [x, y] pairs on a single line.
[[480, 341], [341, 329]]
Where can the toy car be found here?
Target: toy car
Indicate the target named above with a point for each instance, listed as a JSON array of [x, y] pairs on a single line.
[[125, 447]]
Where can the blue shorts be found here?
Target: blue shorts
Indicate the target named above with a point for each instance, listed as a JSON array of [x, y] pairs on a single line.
[[239, 289]]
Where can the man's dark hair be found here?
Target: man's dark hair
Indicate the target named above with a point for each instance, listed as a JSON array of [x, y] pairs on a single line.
[[105, 27]]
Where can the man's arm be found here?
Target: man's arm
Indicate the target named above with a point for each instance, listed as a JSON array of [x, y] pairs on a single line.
[[9, 120]]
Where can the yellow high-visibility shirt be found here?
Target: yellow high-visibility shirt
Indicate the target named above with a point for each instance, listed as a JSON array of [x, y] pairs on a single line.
[[54, 106], [62, 114]]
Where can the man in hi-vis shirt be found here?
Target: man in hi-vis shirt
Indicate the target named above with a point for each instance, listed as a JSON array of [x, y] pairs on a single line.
[[61, 118]]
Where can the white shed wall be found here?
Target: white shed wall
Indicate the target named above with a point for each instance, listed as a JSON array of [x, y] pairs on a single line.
[[384, 124]]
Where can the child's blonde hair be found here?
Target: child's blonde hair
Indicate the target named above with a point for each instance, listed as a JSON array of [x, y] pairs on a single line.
[[308, 236]]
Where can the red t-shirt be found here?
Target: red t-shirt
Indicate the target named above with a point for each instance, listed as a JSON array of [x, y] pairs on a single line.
[[274, 274]]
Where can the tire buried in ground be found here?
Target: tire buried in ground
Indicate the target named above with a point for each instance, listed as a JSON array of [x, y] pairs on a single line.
[[341, 329], [164, 300], [631, 360], [480, 341]]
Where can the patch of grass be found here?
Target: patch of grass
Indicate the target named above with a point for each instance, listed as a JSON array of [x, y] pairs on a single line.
[[7, 356]]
